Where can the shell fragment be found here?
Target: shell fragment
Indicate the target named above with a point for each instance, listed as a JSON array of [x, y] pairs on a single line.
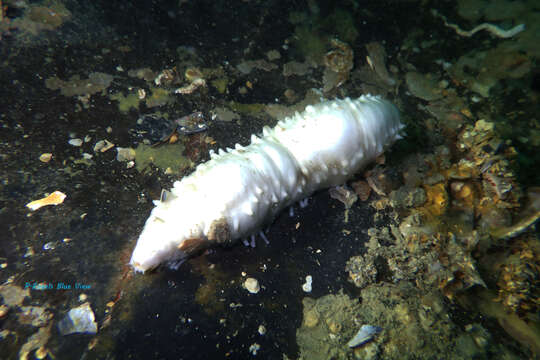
[[55, 198], [364, 335]]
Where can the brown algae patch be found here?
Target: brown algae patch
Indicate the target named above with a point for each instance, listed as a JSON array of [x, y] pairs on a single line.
[[169, 158]]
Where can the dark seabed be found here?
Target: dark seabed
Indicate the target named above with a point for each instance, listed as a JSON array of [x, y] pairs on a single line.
[[109, 102]]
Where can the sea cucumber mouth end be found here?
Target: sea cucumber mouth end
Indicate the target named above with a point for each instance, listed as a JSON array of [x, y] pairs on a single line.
[[137, 267]]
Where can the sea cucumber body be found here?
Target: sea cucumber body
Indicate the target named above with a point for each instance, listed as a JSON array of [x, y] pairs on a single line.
[[240, 190]]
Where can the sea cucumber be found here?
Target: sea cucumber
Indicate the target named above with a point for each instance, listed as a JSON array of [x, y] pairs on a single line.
[[238, 191]]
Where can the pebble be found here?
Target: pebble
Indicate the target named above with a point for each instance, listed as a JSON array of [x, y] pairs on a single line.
[[125, 154], [254, 348], [75, 142], [307, 285], [252, 285], [262, 329], [45, 157]]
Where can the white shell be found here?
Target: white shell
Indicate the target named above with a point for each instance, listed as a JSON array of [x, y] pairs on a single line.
[[365, 334], [322, 147]]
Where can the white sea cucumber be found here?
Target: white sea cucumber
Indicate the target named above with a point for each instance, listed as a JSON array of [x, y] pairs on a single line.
[[238, 191]]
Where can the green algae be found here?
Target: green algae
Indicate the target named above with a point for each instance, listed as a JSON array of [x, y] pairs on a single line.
[[341, 23], [168, 157], [159, 97], [310, 35], [310, 45], [126, 103], [247, 109], [220, 84], [74, 86]]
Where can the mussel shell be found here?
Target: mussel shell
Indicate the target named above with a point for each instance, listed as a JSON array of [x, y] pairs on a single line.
[[154, 128], [191, 124]]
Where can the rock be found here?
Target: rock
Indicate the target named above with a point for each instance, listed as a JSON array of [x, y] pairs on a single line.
[[252, 285], [13, 295], [34, 315], [78, 320], [408, 197], [362, 270], [423, 86]]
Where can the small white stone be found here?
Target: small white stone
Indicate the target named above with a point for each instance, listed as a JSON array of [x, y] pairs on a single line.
[[75, 142], [141, 93], [45, 157], [254, 348], [262, 329], [252, 285], [307, 285]]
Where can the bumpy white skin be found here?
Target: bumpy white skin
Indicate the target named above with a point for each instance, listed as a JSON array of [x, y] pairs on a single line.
[[246, 187]]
